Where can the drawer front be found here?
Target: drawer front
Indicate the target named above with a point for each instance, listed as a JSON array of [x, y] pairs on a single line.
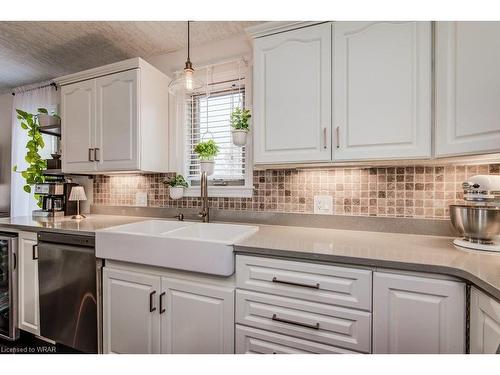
[[350, 287], [331, 325], [256, 341]]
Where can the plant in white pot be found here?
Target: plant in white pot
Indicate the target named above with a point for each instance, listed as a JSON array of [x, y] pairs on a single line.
[[176, 186], [207, 151], [240, 127], [46, 119]]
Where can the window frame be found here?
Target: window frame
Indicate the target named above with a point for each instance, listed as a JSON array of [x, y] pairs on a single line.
[[231, 191]]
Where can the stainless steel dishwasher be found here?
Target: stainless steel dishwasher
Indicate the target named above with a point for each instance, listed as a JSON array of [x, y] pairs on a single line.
[[70, 281]]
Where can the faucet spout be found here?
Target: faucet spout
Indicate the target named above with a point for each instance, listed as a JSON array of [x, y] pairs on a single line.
[[205, 212]]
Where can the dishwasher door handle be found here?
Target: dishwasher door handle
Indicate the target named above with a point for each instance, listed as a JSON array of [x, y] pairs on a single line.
[[34, 253]]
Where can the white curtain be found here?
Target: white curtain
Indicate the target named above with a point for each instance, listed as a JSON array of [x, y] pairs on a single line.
[[29, 99]]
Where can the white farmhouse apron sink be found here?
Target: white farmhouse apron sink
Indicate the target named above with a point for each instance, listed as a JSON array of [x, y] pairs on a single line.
[[197, 247]]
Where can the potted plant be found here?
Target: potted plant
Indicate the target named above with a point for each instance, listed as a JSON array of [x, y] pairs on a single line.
[[239, 123], [46, 119], [207, 151], [176, 186]]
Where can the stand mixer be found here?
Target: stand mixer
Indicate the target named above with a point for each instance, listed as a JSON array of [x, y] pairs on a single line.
[[478, 220]]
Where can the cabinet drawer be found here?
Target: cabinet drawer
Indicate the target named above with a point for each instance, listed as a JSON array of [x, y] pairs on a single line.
[[333, 285], [256, 341], [323, 323]]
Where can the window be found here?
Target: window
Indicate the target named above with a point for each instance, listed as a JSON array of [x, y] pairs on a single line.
[[208, 117]]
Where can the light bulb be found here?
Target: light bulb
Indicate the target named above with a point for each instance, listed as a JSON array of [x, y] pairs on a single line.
[[188, 74]]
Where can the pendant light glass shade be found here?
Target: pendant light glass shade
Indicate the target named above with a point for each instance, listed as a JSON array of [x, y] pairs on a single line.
[[186, 83]]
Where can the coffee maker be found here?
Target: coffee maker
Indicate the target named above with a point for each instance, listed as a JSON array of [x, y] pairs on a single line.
[[55, 199]]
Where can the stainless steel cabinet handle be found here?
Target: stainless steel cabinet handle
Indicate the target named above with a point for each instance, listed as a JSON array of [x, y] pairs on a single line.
[[312, 326], [314, 286], [151, 295], [162, 310], [337, 135], [34, 252], [325, 145], [91, 150], [96, 150], [14, 260]]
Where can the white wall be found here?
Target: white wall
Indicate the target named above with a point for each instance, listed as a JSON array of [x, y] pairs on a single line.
[[5, 150]]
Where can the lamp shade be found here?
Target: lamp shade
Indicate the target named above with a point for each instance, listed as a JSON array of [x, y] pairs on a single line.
[[77, 194]]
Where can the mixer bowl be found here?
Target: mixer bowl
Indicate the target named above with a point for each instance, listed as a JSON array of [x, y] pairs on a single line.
[[479, 224]]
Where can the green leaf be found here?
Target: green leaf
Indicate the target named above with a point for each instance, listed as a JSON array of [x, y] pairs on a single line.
[[24, 126], [14, 168], [27, 188], [21, 113], [43, 110]]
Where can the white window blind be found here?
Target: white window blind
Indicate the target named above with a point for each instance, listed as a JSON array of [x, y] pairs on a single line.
[[208, 117]]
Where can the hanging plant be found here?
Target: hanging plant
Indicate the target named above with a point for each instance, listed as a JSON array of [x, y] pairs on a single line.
[[36, 165], [239, 123], [207, 151]]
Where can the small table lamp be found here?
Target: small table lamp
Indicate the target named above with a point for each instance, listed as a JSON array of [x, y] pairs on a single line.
[[77, 194]]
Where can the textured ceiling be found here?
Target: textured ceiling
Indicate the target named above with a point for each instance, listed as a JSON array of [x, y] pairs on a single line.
[[36, 51]]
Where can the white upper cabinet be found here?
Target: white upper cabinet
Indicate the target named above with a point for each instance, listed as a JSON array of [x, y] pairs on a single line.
[[115, 118], [382, 90], [78, 133], [292, 96], [467, 88], [417, 315], [116, 138]]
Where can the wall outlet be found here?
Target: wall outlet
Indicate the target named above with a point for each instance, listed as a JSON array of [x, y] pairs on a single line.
[[323, 204], [141, 199]]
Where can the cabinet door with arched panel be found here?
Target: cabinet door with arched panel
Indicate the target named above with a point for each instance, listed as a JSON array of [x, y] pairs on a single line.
[[292, 96], [381, 90]]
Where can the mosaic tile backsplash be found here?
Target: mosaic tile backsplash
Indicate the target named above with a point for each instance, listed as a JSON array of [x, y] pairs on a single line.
[[411, 191]]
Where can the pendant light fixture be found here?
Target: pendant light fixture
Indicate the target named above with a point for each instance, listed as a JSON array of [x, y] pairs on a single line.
[[186, 83]]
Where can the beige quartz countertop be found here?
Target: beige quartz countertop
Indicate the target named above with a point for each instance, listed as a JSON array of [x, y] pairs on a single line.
[[375, 249], [86, 226]]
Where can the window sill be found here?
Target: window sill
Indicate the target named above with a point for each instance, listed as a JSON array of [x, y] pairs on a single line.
[[221, 191]]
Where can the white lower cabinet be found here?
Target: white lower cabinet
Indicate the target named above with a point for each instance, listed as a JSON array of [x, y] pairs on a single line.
[[417, 314], [131, 323], [327, 324], [484, 323], [196, 318], [148, 313], [285, 306], [29, 310], [257, 341]]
